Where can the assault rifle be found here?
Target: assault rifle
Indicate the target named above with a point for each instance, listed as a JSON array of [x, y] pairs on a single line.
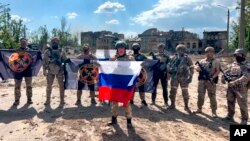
[[203, 74], [228, 78], [55, 58]]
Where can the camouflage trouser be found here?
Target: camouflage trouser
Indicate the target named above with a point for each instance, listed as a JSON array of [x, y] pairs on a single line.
[[18, 82], [174, 86], [241, 97], [128, 110], [50, 80], [204, 85]]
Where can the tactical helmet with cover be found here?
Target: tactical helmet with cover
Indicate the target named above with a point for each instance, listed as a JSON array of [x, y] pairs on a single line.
[[240, 52], [180, 48], [120, 44], [85, 47], [209, 48], [161, 45], [136, 46], [55, 42]]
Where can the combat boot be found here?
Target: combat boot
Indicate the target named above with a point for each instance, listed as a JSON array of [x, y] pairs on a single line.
[[228, 118], [47, 101], [17, 101], [143, 102], [153, 102], [172, 106], [166, 103], [78, 102], [243, 122], [129, 123], [29, 100], [214, 114], [198, 111], [93, 101], [113, 121], [187, 108]]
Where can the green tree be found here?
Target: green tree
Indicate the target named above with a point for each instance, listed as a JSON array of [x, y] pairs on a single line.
[[10, 30], [234, 40], [43, 36]]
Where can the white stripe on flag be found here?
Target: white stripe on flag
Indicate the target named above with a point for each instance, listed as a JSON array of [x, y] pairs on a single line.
[[121, 68]]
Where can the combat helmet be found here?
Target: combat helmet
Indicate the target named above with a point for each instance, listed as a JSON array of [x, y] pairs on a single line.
[[207, 49], [120, 44], [181, 47], [240, 51], [136, 46], [85, 47]]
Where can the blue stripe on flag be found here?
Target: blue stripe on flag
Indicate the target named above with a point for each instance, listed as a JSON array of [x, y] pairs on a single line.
[[116, 81]]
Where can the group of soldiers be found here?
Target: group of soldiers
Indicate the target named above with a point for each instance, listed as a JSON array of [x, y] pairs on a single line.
[[178, 68]]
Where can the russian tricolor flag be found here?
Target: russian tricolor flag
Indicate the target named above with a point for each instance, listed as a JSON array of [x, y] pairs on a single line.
[[117, 80]]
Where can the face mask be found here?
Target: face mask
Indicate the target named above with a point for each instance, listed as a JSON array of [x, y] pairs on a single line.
[[136, 51], [86, 51], [54, 46], [181, 53], [240, 59]]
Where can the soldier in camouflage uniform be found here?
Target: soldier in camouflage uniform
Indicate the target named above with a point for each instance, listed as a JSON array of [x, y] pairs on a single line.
[[139, 57], [181, 70], [161, 73], [54, 57], [27, 74], [238, 77], [121, 56], [208, 75], [88, 56]]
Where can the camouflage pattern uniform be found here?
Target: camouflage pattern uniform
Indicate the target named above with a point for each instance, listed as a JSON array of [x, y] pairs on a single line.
[[27, 74], [139, 57], [181, 71], [53, 67], [161, 74], [212, 66], [115, 105], [239, 73], [81, 85]]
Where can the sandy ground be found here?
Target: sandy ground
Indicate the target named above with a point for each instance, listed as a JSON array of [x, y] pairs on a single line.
[[88, 122]]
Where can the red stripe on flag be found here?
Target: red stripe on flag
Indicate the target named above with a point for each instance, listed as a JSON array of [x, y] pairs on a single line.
[[115, 95]]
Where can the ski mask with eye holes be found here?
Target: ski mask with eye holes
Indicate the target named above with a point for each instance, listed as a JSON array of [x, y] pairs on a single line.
[[55, 45]]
